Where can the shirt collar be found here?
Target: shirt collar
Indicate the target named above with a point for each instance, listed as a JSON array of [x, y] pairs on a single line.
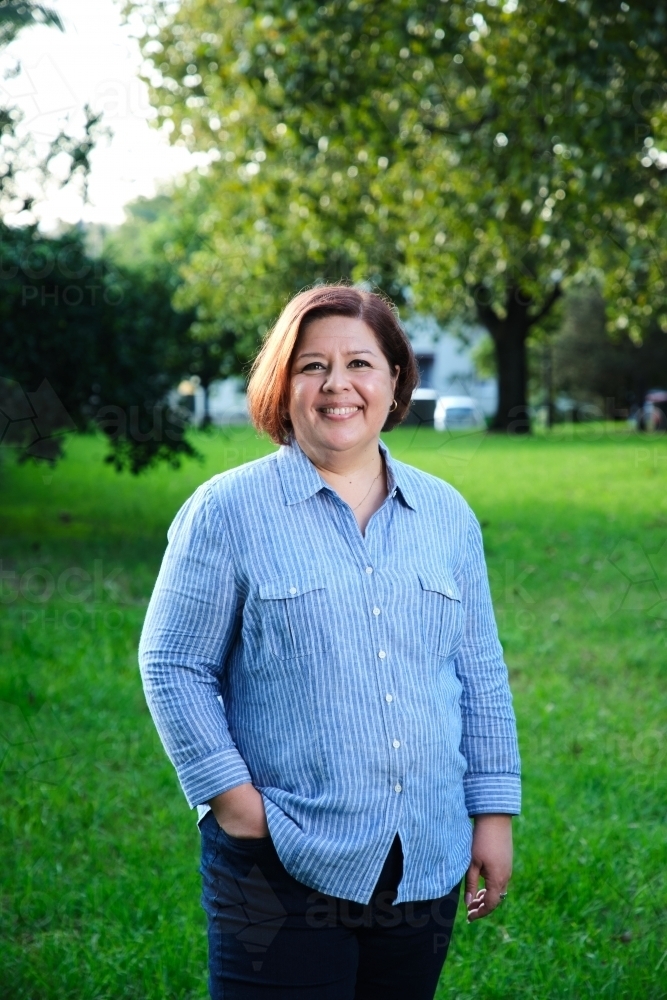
[[301, 480]]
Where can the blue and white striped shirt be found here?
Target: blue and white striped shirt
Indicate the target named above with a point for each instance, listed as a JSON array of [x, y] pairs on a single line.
[[356, 681]]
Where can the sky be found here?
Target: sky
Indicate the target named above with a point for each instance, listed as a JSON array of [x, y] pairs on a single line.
[[95, 61]]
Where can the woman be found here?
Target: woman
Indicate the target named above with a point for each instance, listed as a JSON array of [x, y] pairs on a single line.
[[322, 663]]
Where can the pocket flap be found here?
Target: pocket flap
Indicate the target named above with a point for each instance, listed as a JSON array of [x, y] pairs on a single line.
[[441, 583], [287, 587]]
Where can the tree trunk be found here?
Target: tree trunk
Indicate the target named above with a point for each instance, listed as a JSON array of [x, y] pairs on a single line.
[[206, 419], [509, 336], [512, 414], [548, 382]]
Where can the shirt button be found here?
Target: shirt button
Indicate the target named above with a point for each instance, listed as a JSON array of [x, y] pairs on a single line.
[[398, 788], [376, 611], [292, 590], [396, 744], [369, 569], [382, 654], [450, 593], [389, 697]]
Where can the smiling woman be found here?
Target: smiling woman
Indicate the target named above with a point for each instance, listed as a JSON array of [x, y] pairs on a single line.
[[341, 393], [269, 386], [336, 370], [322, 663]]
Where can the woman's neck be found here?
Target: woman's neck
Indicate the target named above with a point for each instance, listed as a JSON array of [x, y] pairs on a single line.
[[338, 467], [360, 481]]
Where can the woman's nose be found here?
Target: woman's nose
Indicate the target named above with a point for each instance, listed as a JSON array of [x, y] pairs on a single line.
[[337, 378]]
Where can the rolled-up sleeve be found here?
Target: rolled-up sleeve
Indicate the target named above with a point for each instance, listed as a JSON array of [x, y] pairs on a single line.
[[191, 624], [489, 742]]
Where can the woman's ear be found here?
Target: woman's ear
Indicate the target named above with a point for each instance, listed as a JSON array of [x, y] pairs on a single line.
[[394, 379]]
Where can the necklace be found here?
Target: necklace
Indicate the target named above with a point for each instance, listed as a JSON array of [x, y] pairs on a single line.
[[369, 490]]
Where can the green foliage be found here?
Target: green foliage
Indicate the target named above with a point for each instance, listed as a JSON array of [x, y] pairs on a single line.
[[590, 366], [18, 14], [98, 849], [480, 158], [84, 343], [484, 110], [105, 338], [160, 238], [484, 358]]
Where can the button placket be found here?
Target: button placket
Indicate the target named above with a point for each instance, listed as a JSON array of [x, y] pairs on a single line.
[[382, 655], [396, 743]]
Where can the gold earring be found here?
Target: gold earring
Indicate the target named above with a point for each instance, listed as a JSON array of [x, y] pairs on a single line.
[[394, 406]]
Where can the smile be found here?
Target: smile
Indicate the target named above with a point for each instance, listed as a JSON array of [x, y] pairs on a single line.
[[339, 411]]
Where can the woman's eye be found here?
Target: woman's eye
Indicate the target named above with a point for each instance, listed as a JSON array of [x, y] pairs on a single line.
[[312, 366], [360, 361]]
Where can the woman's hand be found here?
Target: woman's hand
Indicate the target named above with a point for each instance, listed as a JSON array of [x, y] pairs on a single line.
[[240, 812], [491, 859]]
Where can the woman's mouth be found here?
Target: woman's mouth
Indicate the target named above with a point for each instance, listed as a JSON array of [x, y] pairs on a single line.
[[339, 411]]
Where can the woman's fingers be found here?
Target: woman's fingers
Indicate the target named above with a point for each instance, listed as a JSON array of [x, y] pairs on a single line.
[[485, 902], [472, 883], [475, 904], [479, 907]]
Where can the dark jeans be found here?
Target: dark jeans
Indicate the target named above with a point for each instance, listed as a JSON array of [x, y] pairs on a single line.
[[273, 938]]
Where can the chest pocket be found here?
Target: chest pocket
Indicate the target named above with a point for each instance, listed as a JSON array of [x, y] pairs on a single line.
[[296, 616], [441, 613]]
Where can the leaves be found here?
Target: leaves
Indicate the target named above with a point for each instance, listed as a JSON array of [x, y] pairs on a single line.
[[509, 141], [101, 336], [469, 159], [18, 14]]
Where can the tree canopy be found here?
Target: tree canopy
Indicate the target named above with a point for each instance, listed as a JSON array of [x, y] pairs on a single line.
[[469, 157]]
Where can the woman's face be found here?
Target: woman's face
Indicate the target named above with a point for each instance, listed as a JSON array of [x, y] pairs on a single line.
[[341, 386]]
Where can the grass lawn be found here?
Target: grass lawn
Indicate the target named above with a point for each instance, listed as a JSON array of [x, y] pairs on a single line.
[[99, 853]]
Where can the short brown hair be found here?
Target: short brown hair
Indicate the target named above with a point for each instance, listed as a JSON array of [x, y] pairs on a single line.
[[269, 385]]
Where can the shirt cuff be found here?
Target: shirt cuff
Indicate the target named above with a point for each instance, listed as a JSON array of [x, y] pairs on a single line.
[[208, 776], [492, 793]]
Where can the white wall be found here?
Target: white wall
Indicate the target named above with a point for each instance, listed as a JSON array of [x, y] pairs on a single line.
[[453, 372], [226, 402]]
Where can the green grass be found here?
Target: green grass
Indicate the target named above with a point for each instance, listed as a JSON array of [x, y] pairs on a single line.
[[99, 853]]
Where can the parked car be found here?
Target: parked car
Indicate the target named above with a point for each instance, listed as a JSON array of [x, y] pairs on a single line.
[[457, 413], [422, 408], [652, 416]]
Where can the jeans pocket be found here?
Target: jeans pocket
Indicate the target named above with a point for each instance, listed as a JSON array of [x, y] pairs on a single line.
[[242, 843]]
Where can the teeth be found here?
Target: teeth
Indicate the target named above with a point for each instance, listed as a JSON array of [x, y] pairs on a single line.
[[339, 409]]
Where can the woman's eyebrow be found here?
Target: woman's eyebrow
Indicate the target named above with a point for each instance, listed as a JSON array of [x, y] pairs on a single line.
[[319, 354]]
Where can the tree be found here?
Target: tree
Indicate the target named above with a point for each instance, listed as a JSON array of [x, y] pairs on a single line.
[[259, 241], [158, 236], [85, 343], [517, 149], [101, 340], [613, 372]]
